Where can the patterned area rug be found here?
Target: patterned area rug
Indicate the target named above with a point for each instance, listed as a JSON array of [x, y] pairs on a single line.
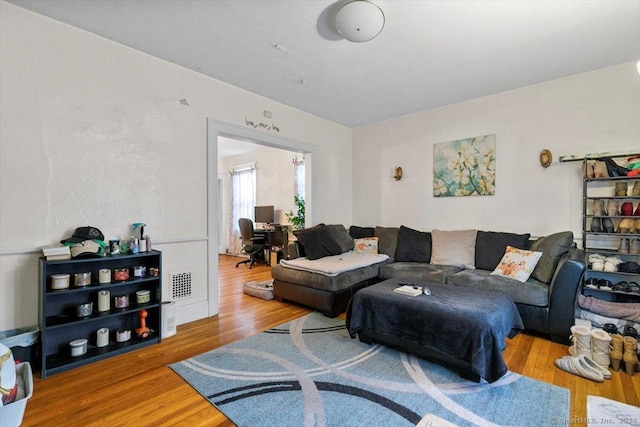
[[309, 372]]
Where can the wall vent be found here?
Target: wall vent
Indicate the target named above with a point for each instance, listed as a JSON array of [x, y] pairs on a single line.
[[180, 285]]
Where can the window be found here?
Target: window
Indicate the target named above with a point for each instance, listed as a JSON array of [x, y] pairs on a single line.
[[298, 177], [243, 201]]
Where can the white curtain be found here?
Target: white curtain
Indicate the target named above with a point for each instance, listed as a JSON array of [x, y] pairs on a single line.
[[298, 177], [243, 201]]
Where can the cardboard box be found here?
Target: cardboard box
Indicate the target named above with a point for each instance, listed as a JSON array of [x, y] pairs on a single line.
[[11, 414]]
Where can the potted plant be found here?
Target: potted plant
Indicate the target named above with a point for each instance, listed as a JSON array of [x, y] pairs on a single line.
[[297, 219]]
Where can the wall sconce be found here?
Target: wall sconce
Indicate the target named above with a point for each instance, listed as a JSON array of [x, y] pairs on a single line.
[[397, 173], [545, 158]]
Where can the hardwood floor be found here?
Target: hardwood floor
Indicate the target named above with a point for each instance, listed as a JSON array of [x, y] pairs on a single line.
[[139, 389]]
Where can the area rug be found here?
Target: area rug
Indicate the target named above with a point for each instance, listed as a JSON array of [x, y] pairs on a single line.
[[309, 372]]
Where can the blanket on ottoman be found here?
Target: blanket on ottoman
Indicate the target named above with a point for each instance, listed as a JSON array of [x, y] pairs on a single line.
[[463, 326]]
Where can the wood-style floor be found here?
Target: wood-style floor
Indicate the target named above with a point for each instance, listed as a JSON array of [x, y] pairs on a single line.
[[139, 389]]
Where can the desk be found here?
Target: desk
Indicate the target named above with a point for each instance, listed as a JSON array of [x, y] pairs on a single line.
[[277, 239]]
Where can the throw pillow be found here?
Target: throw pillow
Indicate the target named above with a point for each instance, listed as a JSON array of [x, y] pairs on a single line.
[[366, 245], [552, 248], [341, 237], [491, 245], [317, 242], [387, 240], [517, 264], [457, 248], [360, 232], [413, 245]]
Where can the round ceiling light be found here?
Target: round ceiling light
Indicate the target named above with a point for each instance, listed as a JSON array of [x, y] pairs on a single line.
[[359, 21]]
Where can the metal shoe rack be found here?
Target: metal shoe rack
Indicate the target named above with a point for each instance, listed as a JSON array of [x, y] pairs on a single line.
[[609, 285]]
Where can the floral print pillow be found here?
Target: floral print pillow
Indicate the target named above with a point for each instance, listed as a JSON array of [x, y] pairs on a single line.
[[517, 264], [366, 245]]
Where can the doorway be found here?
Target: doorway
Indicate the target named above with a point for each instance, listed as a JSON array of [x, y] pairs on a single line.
[[216, 130]]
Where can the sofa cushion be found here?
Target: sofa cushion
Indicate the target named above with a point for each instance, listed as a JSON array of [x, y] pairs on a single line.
[[360, 232], [321, 282], [533, 292], [552, 248], [387, 240], [491, 246], [517, 264], [413, 245], [341, 237], [412, 271], [317, 242], [366, 245], [457, 247]]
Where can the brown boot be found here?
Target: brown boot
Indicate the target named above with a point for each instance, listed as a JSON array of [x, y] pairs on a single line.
[[616, 351], [600, 170], [621, 189], [630, 355]]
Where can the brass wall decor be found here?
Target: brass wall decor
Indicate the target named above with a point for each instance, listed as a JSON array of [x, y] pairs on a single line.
[[397, 173], [545, 158]]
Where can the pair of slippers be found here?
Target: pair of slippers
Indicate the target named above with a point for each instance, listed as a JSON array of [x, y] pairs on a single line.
[[583, 366], [606, 285], [601, 263]]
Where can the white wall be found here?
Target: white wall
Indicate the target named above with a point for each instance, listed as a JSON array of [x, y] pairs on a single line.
[[93, 132], [586, 113]]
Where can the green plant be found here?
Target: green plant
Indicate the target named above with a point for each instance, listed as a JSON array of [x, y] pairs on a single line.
[[297, 219]]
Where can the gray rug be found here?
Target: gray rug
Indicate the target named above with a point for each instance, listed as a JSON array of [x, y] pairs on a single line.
[[310, 373]]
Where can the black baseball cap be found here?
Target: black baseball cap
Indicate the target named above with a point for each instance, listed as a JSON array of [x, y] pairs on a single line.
[[84, 233]]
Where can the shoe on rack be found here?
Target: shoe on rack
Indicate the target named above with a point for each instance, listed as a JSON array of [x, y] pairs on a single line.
[[637, 211], [607, 225], [600, 170], [612, 207], [597, 207], [624, 246], [614, 169], [616, 351], [578, 366], [581, 339], [624, 226], [621, 189], [588, 169], [610, 328], [611, 264], [634, 246], [626, 209], [596, 225], [635, 192]]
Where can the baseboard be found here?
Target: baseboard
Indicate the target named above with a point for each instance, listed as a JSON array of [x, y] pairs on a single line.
[[191, 312]]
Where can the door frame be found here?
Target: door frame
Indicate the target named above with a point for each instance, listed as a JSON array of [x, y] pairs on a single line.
[[215, 129]]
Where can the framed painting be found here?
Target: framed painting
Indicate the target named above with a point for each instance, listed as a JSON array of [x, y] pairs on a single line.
[[465, 167]]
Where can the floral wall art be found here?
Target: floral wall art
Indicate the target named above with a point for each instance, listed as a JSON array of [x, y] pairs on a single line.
[[466, 167]]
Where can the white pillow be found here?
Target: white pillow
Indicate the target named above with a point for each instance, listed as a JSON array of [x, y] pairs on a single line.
[[366, 245], [517, 264], [457, 248]]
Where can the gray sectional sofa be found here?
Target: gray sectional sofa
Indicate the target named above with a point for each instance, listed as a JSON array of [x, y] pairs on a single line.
[[465, 258]]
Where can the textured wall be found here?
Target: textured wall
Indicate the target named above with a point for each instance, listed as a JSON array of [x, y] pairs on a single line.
[[93, 132]]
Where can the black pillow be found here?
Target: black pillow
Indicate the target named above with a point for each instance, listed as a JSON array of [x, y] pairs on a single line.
[[413, 245], [360, 232], [341, 236], [491, 246], [317, 242]]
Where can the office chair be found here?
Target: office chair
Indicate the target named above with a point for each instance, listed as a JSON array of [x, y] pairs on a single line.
[[251, 245]]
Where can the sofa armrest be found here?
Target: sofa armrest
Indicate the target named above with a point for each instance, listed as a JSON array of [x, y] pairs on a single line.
[[563, 294]]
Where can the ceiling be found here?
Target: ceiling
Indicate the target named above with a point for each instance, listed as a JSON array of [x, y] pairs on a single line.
[[429, 54]]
